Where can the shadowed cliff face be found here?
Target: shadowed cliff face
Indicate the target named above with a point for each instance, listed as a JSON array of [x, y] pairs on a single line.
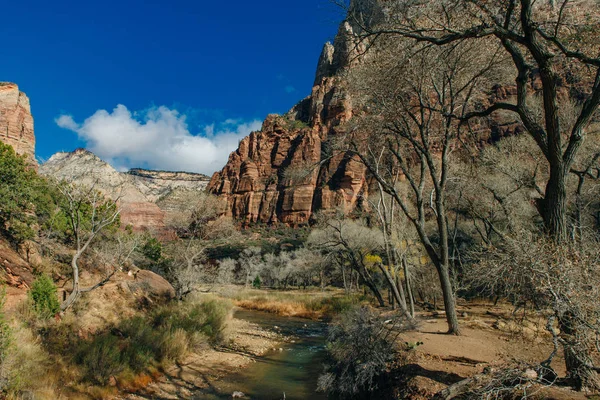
[[16, 122], [283, 173]]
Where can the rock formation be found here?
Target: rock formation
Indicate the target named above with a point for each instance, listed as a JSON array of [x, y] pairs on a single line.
[[283, 173], [139, 192], [16, 122], [263, 181]]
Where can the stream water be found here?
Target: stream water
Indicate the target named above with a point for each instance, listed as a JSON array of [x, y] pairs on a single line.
[[294, 370]]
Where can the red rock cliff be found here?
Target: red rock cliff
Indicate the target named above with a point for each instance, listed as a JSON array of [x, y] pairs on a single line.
[[16, 122], [283, 173]]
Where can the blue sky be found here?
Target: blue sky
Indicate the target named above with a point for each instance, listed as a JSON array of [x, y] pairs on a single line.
[[165, 72]]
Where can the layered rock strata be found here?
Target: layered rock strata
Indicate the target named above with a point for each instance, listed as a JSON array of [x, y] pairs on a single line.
[[16, 122], [289, 170], [286, 171], [139, 192]]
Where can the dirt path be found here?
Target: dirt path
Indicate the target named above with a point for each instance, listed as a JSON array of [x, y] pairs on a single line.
[[489, 337]]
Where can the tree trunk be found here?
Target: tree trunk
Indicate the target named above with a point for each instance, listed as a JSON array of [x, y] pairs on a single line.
[[409, 292], [577, 357], [553, 207], [367, 281], [76, 291], [449, 302], [397, 295]]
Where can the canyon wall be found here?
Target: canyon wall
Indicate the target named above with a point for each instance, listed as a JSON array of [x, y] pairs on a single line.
[[286, 171], [16, 122]]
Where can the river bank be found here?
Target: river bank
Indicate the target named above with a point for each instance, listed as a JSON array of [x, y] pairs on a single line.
[[267, 356]]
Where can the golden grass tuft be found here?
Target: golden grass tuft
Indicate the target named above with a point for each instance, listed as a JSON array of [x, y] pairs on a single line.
[[293, 303]]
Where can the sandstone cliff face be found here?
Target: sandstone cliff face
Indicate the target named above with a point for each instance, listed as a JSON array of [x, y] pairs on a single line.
[[140, 192], [16, 122], [283, 173], [262, 181]]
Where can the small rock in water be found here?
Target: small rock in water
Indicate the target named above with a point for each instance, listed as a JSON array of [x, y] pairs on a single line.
[[238, 395], [280, 349]]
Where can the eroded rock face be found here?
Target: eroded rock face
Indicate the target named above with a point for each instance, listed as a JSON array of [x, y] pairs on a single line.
[[283, 173], [16, 122], [263, 180], [140, 192]]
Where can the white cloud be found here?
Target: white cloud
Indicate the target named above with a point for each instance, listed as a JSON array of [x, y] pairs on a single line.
[[158, 138], [67, 122]]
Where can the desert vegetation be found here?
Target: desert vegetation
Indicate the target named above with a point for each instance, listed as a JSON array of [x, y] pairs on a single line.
[[477, 125]]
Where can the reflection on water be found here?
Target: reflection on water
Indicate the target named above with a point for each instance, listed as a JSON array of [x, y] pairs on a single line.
[[293, 370]]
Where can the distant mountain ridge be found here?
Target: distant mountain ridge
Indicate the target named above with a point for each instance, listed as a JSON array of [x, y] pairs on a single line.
[[140, 192]]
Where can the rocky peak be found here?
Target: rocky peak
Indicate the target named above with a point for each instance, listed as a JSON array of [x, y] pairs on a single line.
[[140, 192], [16, 122], [281, 174]]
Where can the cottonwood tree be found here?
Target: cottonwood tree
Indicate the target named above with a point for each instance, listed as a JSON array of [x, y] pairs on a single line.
[[512, 258], [251, 263], [552, 47], [89, 214], [383, 208], [415, 104]]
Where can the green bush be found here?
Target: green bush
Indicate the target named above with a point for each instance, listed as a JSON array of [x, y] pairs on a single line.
[[102, 358], [207, 317], [152, 249], [5, 331], [44, 297], [256, 282], [216, 313], [162, 337], [17, 196]]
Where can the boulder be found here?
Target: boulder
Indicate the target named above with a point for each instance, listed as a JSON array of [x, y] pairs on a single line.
[[152, 285]]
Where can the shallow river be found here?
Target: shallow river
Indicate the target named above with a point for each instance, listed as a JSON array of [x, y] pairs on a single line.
[[293, 371]]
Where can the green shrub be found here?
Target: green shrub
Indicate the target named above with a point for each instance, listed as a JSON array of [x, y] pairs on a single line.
[[256, 282], [24, 366], [175, 345], [102, 358], [5, 331], [152, 249], [208, 317], [44, 297], [216, 313]]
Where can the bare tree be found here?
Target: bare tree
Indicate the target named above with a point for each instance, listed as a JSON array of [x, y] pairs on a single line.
[[197, 230], [251, 263], [415, 104], [350, 242], [562, 282], [552, 49], [89, 213]]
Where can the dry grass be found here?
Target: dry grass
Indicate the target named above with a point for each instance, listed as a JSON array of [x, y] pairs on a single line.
[[293, 303], [283, 308]]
